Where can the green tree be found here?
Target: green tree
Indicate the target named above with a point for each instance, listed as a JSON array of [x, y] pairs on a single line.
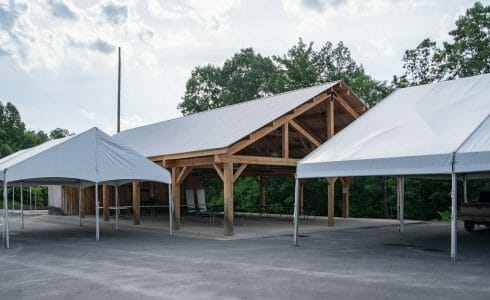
[[59, 133], [469, 52], [422, 64]]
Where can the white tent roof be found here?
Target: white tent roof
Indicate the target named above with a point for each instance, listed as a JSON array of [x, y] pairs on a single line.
[[217, 128], [89, 157], [414, 131]]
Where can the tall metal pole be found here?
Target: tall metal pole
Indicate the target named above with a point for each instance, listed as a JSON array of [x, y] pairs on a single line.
[[13, 195], [6, 237], [296, 212], [454, 207], [96, 211], [21, 206], [30, 200], [119, 91]]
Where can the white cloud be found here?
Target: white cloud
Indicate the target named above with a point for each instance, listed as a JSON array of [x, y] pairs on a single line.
[[86, 113]]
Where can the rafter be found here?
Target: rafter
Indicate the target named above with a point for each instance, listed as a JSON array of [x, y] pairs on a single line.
[[256, 160], [346, 107], [305, 133]]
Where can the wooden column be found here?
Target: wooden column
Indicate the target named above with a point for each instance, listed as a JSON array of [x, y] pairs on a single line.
[[331, 201], [285, 140], [301, 197], [262, 185], [345, 181], [228, 194], [105, 202], [176, 188], [136, 203], [330, 117]]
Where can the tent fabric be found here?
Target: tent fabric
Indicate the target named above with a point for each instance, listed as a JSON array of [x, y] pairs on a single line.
[[217, 128], [415, 131], [88, 157]]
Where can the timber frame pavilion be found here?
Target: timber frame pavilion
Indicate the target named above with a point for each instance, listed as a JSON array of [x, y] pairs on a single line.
[[261, 138]]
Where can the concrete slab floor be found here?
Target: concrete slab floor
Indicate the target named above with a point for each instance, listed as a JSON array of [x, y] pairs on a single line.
[[60, 260]]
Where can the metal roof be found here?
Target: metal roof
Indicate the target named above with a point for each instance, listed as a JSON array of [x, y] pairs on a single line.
[[217, 128]]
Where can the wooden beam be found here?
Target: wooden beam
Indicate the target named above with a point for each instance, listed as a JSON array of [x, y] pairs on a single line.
[[188, 154], [176, 188], [331, 201], [285, 140], [183, 174], [305, 133], [330, 118], [346, 107], [256, 160], [239, 171], [252, 138], [228, 198], [345, 181], [136, 203], [219, 171], [189, 162], [105, 202]]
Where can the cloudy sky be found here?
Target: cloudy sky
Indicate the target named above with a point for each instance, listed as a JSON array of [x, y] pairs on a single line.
[[58, 58]]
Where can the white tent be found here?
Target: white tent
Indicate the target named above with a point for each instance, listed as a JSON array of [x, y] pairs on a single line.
[[435, 129], [88, 158]]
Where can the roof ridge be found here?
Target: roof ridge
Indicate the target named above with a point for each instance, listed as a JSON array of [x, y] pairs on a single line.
[[234, 104]]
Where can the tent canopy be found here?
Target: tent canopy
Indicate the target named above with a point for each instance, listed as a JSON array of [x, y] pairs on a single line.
[[89, 157], [415, 131]]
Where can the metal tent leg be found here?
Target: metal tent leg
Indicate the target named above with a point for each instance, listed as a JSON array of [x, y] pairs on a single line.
[[96, 211], [117, 205], [6, 237], [465, 189], [170, 211], [400, 187], [296, 212], [454, 208], [21, 206], [80, 202]]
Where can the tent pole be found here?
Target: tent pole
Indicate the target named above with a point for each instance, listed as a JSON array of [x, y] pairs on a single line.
[[13, 195], [296, 212], [401, 201], [454, 208], [96, 211], [465, 189], [117, 205], [30, 200], [6, 238], [21, 205], [80, 202], [170, 211]]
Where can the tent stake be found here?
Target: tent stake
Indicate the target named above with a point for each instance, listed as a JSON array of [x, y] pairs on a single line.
[[296, 212], [453, 216]]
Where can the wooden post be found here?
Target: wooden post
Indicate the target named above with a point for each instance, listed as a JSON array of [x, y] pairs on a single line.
[[262, 184], [176, 197], [228, 194], [330, 117], [331, 201], [345, 181], [285, 140], [136, 203], [105, 202], [301, 196]]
